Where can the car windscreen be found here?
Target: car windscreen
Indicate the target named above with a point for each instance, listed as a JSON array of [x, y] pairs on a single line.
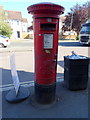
[[85, 29]]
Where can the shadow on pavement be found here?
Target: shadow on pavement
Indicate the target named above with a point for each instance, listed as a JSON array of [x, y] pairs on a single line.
[[61, 63], [23, 76], [68, 104], [71, 44]]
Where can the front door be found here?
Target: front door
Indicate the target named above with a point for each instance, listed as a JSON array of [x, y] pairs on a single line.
[[18, 34]]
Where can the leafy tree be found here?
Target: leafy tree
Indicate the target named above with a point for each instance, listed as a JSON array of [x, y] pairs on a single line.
[[5, 28], [79, 14]]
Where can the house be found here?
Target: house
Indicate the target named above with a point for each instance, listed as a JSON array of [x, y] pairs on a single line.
[[31, 32], [18, 24], [24, 25]]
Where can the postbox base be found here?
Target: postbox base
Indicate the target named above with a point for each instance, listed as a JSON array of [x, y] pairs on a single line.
[[45, 94]]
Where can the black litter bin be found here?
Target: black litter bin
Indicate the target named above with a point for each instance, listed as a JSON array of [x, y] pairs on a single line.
[[76, 73]]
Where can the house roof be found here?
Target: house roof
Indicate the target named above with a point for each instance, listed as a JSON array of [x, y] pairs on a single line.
[[62, 18], [13, 15], [30, 28], [24, 20], [1, 7]]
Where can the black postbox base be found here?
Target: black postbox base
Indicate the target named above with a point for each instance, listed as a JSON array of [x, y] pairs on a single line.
[[45, 94]]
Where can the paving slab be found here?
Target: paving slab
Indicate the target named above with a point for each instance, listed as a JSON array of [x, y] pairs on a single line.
[[68, 104]]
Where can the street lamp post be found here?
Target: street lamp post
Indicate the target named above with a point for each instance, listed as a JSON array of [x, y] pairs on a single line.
[[71, 24]]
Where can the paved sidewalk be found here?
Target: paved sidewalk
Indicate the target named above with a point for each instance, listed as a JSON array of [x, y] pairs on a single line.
[[68, 104]]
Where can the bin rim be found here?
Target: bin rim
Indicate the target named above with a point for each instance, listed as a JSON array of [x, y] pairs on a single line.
[[77, 58]]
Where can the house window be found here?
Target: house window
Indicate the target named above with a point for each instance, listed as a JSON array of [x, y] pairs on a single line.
[[17, 22]]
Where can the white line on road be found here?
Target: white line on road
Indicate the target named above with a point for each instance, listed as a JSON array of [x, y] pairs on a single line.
[[26, 84], [10, 86]]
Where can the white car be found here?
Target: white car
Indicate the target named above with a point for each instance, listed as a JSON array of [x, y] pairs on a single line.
[[4, 41]]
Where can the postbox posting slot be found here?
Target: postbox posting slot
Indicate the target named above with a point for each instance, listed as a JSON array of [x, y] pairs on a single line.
[[46, 26]]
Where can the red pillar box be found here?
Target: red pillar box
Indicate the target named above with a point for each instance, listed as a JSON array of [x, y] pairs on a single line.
[[46, 24]]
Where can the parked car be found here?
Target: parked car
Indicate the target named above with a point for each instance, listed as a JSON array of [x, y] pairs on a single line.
[[4, 41]]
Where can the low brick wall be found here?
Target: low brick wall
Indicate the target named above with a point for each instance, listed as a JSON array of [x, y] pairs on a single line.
[[69, 37], [25, 36]]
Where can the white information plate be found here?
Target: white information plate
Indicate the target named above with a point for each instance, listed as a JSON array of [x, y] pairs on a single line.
[[48, 41], [14, 74]]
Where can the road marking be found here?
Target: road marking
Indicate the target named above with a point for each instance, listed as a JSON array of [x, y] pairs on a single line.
[[10, 86], [25, 84]]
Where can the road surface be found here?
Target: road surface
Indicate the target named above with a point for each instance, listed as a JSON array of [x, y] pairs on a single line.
[[24, 56]]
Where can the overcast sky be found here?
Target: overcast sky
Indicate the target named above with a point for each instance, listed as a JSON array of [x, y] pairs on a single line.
[[21, 5]]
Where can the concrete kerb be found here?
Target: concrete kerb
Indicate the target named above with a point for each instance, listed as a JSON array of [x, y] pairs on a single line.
[[2, 50], [20, 40], [68, 40]]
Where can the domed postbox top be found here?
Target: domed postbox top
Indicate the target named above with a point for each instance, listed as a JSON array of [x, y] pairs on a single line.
[[45, 9]]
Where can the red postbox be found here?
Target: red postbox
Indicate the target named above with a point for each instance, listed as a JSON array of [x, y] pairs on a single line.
[[46, 25]]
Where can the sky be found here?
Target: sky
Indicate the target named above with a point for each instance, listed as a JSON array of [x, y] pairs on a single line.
[[21, 5]]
